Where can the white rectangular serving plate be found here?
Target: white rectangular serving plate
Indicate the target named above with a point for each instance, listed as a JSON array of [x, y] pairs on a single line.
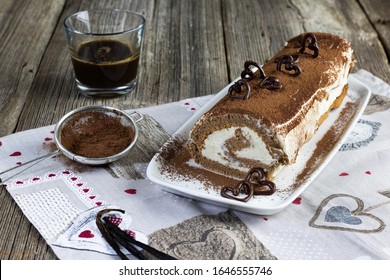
[[357, 93]]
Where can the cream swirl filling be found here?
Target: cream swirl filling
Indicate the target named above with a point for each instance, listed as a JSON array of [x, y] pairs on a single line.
[[237, 147]]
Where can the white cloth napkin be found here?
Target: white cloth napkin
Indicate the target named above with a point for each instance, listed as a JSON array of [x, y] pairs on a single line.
[[343, 214]]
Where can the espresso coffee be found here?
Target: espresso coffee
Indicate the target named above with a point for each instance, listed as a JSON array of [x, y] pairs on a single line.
[[106, 64]]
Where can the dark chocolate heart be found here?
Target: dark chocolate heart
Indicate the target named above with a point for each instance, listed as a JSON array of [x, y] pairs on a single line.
[[248, 74], [271, 83], [261, 186], [243, 187], [235, 91]]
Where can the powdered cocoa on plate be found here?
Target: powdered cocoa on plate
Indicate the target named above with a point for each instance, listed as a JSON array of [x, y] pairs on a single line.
[[96, 134]]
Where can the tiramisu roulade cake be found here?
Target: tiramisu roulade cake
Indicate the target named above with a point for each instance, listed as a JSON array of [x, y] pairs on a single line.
[[269, 113]]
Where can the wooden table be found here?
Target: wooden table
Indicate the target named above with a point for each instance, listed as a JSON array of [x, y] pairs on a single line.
[[191, 48]]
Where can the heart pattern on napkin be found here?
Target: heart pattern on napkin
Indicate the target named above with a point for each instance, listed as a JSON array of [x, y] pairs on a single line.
[[86, 234], [345, 212], [206, 246], [83, 233], [341, 214], [363, 133], [219, 237]]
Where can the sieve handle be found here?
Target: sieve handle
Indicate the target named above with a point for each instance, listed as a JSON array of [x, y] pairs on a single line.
[[32, 163], [138, 116]]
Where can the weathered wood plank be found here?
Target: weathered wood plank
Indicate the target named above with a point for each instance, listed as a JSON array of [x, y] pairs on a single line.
[[183, 56], [26, 28], [378, 12], [273, 22]]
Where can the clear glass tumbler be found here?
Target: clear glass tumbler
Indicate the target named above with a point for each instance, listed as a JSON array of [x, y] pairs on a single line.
[[105, 48]]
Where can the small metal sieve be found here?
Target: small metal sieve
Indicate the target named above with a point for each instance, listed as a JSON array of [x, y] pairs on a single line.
[[127, 120]]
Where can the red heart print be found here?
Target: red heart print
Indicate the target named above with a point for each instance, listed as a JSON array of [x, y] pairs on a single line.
[[193, 109], [187, 103], [297, 201], [35, 179], [52, 132], [73, 178], [92, 197], [265, 219], [86, 234], [343, 174], [368, 172], [85, 190], [1, 144], [66, 172], [51, 175], [48, 139], [79, 184], [98, 203], [19, 182], [15, 154], [18, 163], [131, 191]]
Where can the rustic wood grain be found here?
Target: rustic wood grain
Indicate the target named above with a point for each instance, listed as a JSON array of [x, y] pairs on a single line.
[[256, 32], [378, 12], [181, 58], [25, 30], [143, 151], [191, 48]]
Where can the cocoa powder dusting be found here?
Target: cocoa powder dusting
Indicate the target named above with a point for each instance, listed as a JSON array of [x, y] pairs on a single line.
[[177, 164], [96, 134], [326, 144]]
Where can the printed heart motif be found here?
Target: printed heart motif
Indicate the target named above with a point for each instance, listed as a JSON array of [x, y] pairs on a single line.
[[343, 174], [86, 234], [73, 178], [79, 184], [297, 201], [48, 139], [1, 144], [51, 175], [66, 172], [368, 172], [35, 179], [205, 247], [15, 154], [345, 212], [131, 191], [98, 203], [363, 133], [341, 214]]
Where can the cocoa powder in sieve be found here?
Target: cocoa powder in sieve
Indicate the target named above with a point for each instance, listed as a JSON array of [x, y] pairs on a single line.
[[96, 134]]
